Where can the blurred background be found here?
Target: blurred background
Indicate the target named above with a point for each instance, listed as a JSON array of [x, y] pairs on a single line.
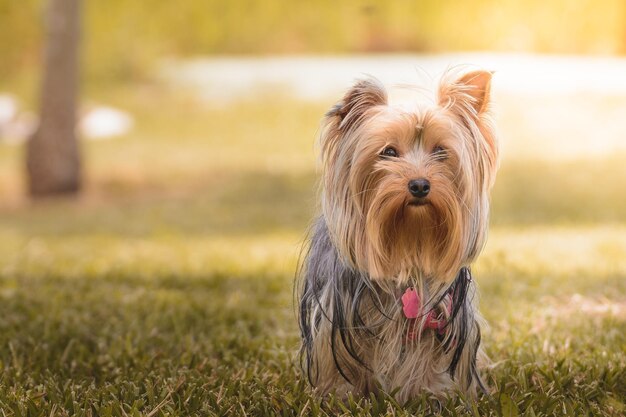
[[192, 174], [172, 97]]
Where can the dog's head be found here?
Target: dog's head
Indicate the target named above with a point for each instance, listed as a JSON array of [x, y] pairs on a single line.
[[406, 191]]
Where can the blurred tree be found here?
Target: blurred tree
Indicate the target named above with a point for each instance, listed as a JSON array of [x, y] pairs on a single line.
[[52, 156]]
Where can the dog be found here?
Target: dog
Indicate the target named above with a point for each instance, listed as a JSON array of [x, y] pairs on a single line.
[[386, 297]]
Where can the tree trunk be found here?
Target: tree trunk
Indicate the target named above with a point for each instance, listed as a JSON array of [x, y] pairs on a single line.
[[52, 154]]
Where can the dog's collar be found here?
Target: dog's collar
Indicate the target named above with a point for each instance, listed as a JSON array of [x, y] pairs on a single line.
[[436, 318]]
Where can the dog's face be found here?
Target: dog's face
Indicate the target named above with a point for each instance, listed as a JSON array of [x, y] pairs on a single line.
[[406, 191]]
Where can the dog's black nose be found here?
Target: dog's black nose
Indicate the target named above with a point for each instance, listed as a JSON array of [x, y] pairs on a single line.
[[419, 188]]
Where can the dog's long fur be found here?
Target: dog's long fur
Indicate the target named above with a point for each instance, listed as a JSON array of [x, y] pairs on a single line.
[[371, 242]]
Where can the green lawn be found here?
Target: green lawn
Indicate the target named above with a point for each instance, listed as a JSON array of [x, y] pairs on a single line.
[[166, 289]]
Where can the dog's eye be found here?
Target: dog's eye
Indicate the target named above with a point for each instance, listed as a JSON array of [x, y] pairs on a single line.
[[439, 152], [389, 152]]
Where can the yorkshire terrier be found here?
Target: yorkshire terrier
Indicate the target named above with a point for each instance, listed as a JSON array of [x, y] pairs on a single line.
[[387, 301]]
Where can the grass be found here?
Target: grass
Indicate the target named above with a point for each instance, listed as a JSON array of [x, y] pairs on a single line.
[[166, 289]]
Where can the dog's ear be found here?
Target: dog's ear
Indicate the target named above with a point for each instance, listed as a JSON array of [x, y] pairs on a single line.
[[363, 95], [468, 97], [470, 92]]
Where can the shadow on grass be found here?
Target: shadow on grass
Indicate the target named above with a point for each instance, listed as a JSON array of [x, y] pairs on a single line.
[[590, 191], [234, 204], [526, 193]]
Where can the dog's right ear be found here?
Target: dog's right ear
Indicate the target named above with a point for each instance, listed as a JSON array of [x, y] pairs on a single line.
[[341, 120], [363, 95], [339, 136]]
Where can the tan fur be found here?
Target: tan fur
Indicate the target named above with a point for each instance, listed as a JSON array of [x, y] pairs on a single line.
[[361, 192], [377, 234]]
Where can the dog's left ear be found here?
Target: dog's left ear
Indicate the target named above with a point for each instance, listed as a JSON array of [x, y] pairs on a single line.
[[468, 97], [471, 91]]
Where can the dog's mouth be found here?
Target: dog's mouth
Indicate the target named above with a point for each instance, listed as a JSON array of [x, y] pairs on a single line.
[[418, 202]]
